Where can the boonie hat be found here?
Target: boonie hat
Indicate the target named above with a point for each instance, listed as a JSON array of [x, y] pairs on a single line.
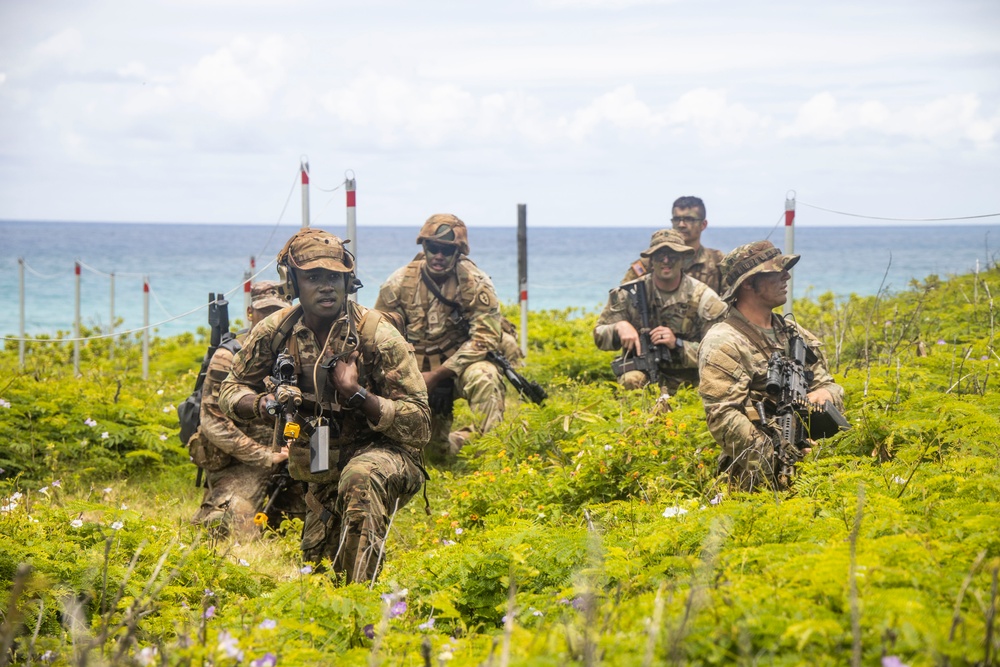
[[317, 249], [667, 238], [265, 294], [748, 260]]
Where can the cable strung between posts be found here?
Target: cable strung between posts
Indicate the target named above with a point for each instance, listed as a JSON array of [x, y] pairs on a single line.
[[104, 273], [44, 276], [295, 181], [875, 217]]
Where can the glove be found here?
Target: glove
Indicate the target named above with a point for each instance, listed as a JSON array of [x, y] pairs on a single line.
[[288, 394]]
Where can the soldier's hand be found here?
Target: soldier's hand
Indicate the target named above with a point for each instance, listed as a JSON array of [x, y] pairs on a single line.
[[663, 336], [280, 456], [345, 374], [819, 396], [628, 336], [288, 394]]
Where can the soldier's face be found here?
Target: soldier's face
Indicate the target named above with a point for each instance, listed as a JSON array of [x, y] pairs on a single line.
[[440, 256], [772, 287], [322, 293], [689, 223], [667, 265]]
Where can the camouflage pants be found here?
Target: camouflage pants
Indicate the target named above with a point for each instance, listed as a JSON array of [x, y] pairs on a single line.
[[752, 467], [346, 522], [233, 496], [670, 379], [481, 384]]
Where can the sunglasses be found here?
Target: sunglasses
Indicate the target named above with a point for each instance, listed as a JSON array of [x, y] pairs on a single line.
[[439, 249], [667, 257], [685, 220]]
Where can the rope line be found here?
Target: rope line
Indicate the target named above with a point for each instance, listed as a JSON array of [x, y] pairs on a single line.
[[44, 276], [84, 265], [875, 217], [158, 302], [342, 184], [291, 190]]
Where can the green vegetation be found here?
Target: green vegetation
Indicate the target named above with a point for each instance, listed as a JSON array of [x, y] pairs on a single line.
[[584, 531]]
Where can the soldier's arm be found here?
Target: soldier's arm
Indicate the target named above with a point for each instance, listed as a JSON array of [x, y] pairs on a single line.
[[388, 298], [244, 386], [710, 309], [822, 379], [606, 336], [404, 413], [220, 429], [724, 388], [482, 311]]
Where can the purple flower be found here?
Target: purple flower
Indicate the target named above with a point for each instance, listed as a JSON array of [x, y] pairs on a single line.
[[579, 603], [230, 646], [397, 609], [892, 661], [429, 625], [305, 569], [369, 631], [267, 660], [941, 341], [210, 612], [268, 624]]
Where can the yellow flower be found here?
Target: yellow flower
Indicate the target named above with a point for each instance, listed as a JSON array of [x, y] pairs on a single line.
[[260, 519], [502, 454]]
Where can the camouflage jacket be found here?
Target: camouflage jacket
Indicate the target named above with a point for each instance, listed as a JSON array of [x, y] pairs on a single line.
[[688, 311], [733, 372], [704, 267], [442, 335], [248, 442], [386, 369]]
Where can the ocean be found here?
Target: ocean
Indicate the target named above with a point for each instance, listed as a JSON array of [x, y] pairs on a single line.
[[568, 267]]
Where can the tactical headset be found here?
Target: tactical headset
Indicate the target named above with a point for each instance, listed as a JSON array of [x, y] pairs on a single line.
[[286, 264]]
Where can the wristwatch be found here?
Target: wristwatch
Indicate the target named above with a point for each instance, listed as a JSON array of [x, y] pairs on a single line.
[[356, 401], [678, 344]]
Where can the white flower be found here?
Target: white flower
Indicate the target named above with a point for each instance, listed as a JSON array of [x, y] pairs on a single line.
[[4, 404], [108, 489], [448, 543], [244, 563], [90, 422], [147, 656], [44, 490], [163, 436], [898, 480], [117, 525], [16, 495], [105, 435], [8, 507], [674, 511], [124, 506], [76, 523], [159, 392], [428, 625], [608, 448], [459, 531], [305, 569], [169, 408], [230, 646], [445, 655], [56, 483], [716, 500]]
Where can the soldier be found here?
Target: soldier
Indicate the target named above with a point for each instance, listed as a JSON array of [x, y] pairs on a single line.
[[239, 461], [356, 386], [734, 360], [452, 318], [689, 220], [681, 310]]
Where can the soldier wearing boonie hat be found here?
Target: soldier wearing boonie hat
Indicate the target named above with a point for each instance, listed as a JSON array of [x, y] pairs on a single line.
[[681, 309], [357, 388], [238, 458], [733, 363]]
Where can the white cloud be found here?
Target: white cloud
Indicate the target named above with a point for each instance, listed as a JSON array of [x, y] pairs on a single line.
[[947, 120], [60, 46]]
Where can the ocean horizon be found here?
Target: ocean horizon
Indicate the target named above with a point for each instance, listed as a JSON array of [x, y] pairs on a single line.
[[568, 267]]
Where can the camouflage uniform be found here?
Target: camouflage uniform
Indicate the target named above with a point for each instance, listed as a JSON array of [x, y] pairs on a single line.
[[239, 456], [374, 467], [457, 338], [704, 267], [688, 311], [733, 365]]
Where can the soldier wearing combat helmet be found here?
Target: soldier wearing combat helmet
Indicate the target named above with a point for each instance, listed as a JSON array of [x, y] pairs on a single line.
[[681, 309], [452, 318], [356, 386], [238, 458], [733, 363]]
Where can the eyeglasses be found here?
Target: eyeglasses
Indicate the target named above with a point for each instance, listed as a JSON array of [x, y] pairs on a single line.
[[667, 257], [685, 220], [439, 249]]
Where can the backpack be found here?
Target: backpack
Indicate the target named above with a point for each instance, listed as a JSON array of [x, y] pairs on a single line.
[[189, 410]]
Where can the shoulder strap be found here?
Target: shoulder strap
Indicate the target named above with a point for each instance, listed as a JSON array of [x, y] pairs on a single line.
[[752, 333], [284, 329], [232, 344], [432, 286]]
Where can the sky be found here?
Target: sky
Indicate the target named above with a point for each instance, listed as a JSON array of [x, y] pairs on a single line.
[[595, 113]]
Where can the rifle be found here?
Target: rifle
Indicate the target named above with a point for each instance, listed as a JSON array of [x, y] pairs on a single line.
[[189, 411], [282, 373], [650, 356], [792, 419], [528, 389]]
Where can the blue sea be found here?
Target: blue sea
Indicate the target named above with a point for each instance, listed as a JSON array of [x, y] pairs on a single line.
[[567, 267]]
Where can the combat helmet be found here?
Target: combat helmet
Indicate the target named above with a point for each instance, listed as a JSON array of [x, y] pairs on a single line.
[[748, 260], [446, 229], [313, 248]]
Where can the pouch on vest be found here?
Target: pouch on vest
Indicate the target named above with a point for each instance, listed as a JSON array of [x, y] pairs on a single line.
[[205, 455]]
